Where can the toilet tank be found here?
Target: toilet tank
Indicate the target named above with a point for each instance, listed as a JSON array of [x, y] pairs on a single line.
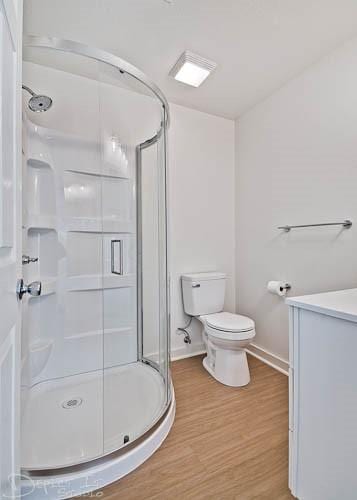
[[203, 293]]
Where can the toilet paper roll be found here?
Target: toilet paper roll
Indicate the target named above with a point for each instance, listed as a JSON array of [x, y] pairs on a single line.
[[278, 287]]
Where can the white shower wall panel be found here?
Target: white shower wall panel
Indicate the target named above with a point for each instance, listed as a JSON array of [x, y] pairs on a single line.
[[117, 199], [75, 152], [120, 347], [82, 353], [41, 189], [38, 313], [83, 312], [84, 254], [119, 308], [83, 197]]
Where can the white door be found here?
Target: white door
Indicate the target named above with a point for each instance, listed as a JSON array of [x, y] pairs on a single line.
[[10, 242]]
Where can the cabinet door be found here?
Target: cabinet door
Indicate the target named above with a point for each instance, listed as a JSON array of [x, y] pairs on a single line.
[[293, 357], [325, 399]]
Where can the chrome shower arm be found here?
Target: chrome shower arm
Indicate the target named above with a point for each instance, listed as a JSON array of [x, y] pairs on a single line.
[[28, 90]]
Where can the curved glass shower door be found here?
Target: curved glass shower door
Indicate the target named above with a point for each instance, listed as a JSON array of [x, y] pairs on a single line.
[[135, 391], [151, 169], [95, 216]]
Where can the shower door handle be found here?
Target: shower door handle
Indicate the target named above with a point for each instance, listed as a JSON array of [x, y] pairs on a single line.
[[116, 256]]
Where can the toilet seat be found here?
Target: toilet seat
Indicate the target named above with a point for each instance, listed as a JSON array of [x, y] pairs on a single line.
[[229, 322], [225, 325]]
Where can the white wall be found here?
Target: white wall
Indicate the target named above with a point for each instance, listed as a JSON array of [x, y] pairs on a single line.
[[297, 163], [201, 170]]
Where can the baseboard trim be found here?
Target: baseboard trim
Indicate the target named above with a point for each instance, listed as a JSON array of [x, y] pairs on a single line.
[[187, 351], [267, 357]]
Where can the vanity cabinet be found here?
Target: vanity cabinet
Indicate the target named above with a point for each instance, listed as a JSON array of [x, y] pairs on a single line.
[[323, 396]]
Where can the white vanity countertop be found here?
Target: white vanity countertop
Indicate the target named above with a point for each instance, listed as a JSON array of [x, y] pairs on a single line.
[[341, 304]]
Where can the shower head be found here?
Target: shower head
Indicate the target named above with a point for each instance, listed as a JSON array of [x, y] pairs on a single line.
[[38, 103]]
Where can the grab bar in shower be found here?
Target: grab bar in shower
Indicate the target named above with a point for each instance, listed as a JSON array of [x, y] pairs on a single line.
[[115, 257], [346, 224]]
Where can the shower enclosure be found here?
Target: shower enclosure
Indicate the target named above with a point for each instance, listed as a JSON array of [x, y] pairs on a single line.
[[96, 387]]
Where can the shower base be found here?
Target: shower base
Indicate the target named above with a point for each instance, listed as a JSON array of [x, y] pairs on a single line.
[[93, 476], [79, 418]]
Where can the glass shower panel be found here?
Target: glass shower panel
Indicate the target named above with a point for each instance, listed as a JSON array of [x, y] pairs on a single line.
[[63, 354], [134, 392], [153, 251], [149, 178]]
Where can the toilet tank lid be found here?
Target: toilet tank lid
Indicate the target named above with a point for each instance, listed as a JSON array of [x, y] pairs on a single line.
[[203, 276]]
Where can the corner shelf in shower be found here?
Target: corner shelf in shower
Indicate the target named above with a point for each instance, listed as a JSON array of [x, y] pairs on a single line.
[[114, 346], [98, 282], [37, 151], [99, 225], [43, 161], [40, 194], [103, 173], [48, 222], [93, 333]]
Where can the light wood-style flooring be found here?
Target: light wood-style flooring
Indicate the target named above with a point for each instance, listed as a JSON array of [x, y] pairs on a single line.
[[226, 443]]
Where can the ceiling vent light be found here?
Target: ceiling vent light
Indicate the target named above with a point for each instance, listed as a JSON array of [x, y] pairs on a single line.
[[192, 69]]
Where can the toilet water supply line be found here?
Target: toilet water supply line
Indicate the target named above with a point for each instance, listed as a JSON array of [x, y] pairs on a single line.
[[180, 331]]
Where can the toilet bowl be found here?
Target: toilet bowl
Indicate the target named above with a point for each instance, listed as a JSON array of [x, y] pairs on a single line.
[[226, 336]]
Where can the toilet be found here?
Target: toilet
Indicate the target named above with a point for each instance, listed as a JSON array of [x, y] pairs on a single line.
[[225, 335]]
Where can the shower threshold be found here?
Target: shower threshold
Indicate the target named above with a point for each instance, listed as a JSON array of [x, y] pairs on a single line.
[[79, 418]]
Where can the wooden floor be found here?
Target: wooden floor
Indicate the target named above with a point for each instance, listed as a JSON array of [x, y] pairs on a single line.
[[226, 443]]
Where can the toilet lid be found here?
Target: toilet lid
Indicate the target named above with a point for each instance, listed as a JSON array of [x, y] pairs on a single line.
[[228, 322]]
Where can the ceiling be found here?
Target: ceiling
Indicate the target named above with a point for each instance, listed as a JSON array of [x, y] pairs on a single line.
[[258, 44]]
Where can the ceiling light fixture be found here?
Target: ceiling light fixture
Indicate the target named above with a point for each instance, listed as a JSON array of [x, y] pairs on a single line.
[[192, 69]]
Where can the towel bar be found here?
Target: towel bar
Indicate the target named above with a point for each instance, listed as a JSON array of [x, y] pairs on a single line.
[[346, 224]]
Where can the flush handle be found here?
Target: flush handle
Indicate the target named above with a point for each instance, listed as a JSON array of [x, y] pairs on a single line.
[[196, 285], [33, 288]]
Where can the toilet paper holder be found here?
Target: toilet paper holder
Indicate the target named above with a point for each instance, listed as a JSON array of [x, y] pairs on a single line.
[[278, 287]]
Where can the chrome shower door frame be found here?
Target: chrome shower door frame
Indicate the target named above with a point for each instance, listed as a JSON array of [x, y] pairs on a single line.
[[166, 292], [100, 56]]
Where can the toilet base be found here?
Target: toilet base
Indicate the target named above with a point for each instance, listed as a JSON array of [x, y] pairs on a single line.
[[228, 367], [207, 366]]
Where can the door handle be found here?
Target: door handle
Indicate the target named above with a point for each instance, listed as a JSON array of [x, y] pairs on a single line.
[[33, 288]]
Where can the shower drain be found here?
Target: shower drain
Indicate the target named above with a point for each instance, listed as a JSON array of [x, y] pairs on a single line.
[[72, 403]]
